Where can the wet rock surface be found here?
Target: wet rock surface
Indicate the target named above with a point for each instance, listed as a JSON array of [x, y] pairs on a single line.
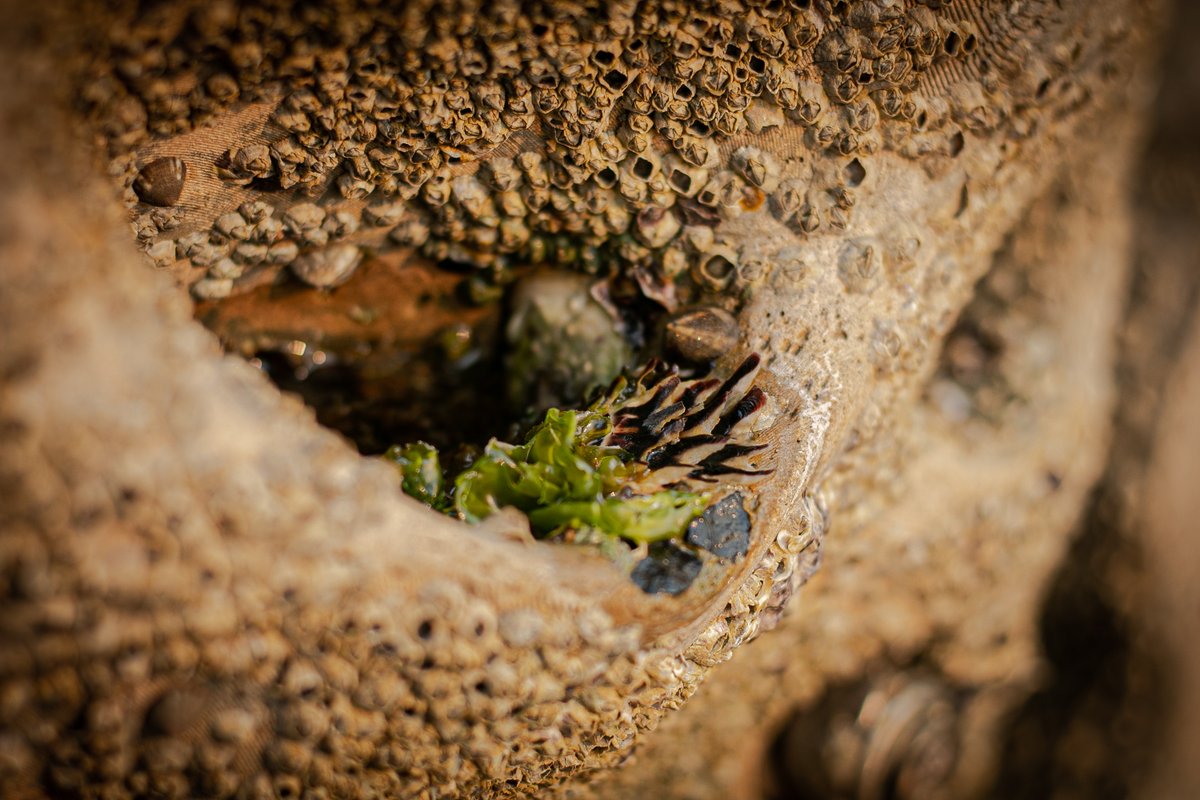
[[723, 529], [394, 355], [668, 569]]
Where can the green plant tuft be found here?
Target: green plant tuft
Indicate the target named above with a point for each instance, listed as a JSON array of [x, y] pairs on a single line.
[[562, 478], [420, 472]]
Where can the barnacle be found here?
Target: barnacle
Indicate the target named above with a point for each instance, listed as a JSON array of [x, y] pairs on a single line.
[[637, 107], [329, 267]]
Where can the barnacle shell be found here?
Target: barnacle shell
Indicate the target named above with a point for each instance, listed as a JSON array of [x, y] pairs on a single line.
[[226, 268], [166, 219], [716, 270], [656, 226], [283, 252], [413, 232], [241, 165], [212, 288], [162, 253], [233, 225], [684, 178], [758, 167], [635, 120], [328, 267], [255, 211], [303, 217]]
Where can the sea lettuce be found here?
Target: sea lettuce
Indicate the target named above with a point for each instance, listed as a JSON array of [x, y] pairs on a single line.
[[561, 478]]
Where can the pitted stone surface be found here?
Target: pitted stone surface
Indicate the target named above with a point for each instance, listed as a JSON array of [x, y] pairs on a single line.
[[573, 132], [205, 594]]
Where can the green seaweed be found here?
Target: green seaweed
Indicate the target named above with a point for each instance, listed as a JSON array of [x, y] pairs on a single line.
[[648, 518], [420, 472], [562, 478]]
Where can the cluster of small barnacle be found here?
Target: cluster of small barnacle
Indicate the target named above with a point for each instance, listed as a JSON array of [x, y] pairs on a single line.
[[757, 604], [618, 110]]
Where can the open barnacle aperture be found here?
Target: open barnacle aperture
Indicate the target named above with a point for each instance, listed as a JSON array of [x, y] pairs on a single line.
[[647, 473]]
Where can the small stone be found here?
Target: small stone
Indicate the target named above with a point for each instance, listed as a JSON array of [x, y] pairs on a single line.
[[561, 340], [668, 569], [723, 529]]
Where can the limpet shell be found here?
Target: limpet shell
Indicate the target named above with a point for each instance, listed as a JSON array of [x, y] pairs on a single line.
[[160, 182]]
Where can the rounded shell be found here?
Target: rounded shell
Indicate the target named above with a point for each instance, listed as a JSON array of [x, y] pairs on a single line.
[[160, 182], [329, 267], [701, 334]]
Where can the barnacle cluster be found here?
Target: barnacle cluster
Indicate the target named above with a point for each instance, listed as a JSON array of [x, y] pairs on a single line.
[[585, 133], [645, 466]]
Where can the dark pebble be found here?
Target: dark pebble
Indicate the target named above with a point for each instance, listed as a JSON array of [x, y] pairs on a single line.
[[723, 529], [668, 569]]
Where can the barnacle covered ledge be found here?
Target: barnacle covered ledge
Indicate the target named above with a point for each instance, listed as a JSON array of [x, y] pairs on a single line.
[[206, 593]]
